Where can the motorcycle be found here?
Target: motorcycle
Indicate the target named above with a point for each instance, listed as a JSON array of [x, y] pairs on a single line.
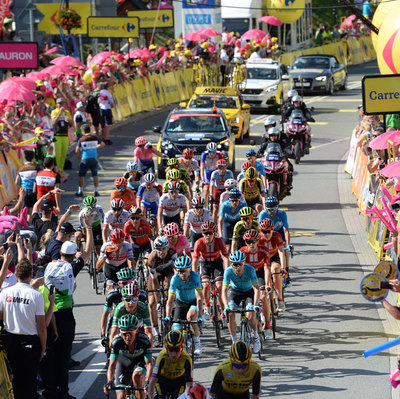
[[276, 169], [298, 132]]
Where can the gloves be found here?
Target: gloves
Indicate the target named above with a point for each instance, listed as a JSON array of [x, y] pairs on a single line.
[[250, 307], [167, 320], [104, 341], [200, 320], [109, 251]]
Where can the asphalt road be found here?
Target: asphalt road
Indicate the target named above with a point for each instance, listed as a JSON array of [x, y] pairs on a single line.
[[327, 324]]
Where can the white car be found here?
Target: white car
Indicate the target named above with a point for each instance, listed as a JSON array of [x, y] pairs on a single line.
[[267, 85]]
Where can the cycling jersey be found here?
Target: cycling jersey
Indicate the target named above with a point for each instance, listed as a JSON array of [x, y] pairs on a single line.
[[152, 195], [242, 283], [140, 235], [128, 197], [260, 168], [96, 216], [251, 193], [155, 262], [192, 167], [172, 207], [185, 291], [210, 164], [27, 174], [218, 181], [225, 197], [117, 258], [279, 220], [226, 379], [141, 349], [45, 182], [227, 212], [112, 222], [195, 222], [165, 369], [240, 229], [273, 244], [142, 313], [183, 190], [258, 259], [181, 246], [210, 252], [113, 298]]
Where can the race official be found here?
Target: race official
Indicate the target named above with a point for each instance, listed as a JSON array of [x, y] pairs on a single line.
[[22, 312]]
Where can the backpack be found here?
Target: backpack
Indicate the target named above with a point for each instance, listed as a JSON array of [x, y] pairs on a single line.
[[92, 104]]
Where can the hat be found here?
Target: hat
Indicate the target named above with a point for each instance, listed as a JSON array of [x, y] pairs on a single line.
[[39, 82], [69, 248], [39, 130], [47, 204], [67, 228], [80, 104], [152, 47], [60, 100]]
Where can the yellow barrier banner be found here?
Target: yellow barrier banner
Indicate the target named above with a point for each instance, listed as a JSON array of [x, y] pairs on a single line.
[[122, 99], [130, 93], [136, 86], [181, 84], [116, 112], [156, 91], [171, 93], [364, 49], [340, 52], [144, 94], [187, 73], [6, 391], [356, 56]]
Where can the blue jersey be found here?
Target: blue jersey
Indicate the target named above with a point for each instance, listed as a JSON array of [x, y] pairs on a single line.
[[260, 168], [218, 181], [243, 283], [88, 144], [279, 220], [27, 174], [185, 291], [226, 211]]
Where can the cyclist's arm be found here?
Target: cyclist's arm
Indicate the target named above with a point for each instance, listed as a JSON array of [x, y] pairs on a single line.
[[220, 225], [170, 303], [225, 289], [287, 235], [256, 289], [89, 243], [195, 265], [103, 322], [100, 263], [199, 301], [216, 384], [282, 257], [131, 263], [111, 370], [105, 232], [256, 386], [159, 215], [202, 170], [186, 227]]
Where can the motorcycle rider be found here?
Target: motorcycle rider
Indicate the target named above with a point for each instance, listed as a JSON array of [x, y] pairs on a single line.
[[298, 103], [288, 103]]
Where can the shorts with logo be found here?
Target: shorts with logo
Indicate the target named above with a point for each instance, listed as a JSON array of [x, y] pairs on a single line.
[[235, 297]]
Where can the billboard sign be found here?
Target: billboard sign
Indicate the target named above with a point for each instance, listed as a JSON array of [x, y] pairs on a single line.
[[147, 18], [113, 27], [19, 55]]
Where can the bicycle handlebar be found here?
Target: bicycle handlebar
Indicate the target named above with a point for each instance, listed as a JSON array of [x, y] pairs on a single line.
[[290, 248]]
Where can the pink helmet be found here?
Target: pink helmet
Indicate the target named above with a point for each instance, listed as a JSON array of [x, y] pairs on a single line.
[[140, 141], [171, 229]]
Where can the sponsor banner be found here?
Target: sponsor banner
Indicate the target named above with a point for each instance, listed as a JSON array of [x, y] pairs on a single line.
[[113, 27], [189, 89], [19, 55], [136, 85], [121, 96], [201, 18], [162, 18], [130, 95], [144, 93], [157, 91], [171, 91], [201, 3], [356, 56], [4, 4]]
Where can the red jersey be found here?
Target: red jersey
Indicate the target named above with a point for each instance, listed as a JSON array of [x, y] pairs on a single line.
[[128, 197], [45, 182], [273, 244], [210, 252], [139, 236], [257, 259]]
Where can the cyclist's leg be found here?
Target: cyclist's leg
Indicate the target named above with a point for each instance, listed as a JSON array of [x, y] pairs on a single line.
[[276, 275], [249, 300], [180, 313], [234, 298], [216, 194], [206, 273], [227, 232], [98, 238], [123, 375], [152, 300], [138, 378], [264, 298]]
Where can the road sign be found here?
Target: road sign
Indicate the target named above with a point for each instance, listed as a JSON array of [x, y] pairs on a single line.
[[147, 18], [381, 94], [113, 27]]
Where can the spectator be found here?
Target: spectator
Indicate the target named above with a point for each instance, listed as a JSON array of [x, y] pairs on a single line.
[[393, 122], [106, 102], [367, 9], [64, 234], [93, 109]]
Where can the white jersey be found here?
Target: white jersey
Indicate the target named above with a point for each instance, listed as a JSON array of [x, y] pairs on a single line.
[[225, 197], [96, 216], [195, 221], [112, 222], [152, 195], [172, 207], [117, 258], [193, 165]]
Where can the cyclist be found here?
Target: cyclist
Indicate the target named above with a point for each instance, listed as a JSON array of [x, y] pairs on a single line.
[[177, 241], [242, 280], [246, 223], [173, 369], [185, 175], [143, 155], [96, 216], [131, 305], [273, 242], [246, 165], [229, 185], [234, 376], [175, 175], [229, 215], [148, 195], [139, 232], [130, 358], [186, 290], [160, 264], [172, 206], [124, 193], [208, 163], [251, 155], [115, 254], [253, 190], [217, 183], [115, 218], [258, 257], [133, 175], [190, 164], [210, 251]]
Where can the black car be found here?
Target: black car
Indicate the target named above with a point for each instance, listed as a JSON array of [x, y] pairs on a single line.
[[195, 128], [318, 73]]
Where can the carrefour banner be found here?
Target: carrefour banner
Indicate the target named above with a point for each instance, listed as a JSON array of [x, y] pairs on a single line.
[[201, 3]]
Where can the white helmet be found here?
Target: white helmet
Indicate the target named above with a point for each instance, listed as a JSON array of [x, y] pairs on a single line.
[[149, 178], [230, 183], [296, 99], [274, 130], [270, 121], [292, 93]]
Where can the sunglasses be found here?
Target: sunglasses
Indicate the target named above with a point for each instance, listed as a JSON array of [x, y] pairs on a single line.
[[131, 333], [120, 187], [266, 231], [222, 166], [272, 209], [136, 217], [251, 180], [117, 209], [212, 152], [251, 241], [182, 271], [125, 282], [173, 192], [237, 265], [198, 207], [240, 366], [175, 349], [208, 233], [245, 218], [131, 298], [234, 200]]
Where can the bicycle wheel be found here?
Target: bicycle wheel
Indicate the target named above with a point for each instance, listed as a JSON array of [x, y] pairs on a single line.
[[261, 334], [272, 314], [216, 321]]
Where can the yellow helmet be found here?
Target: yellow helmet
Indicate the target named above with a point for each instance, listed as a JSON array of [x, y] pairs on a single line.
[[152, 47], [174, 339], [251, 173], [205, 45], [246, 211], [240, 352], [173, 174]]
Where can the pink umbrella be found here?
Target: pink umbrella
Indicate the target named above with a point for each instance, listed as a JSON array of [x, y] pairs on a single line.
[[16, 92], [381, 142], [349, 20], [209, 32], [163, 6], [66, 60], [51, 51], [56, 70], [195, 36], [270, 20], [20, 80], [391, 170], [254, 34], [38, 75], [100, 57]]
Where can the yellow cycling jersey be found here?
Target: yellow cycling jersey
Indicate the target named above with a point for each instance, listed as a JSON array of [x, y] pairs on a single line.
[[226, 378], [250, 193], [165, 369], [184, 188]]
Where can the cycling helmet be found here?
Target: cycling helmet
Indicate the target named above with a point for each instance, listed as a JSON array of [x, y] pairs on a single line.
[[292, 93], [246, 165], [117, 235], [251, 173], [131, 166], [230, 183], [161, 242], [129, 322], [296, 99], [208, 225], [90, 200], [173, 339], [183, 262], [172, 162], [274, 130], [174, 186], [120, 181], [237, 257], [140, 141], [211, 147], [187, 153], [117, 203], [198, 200], [271, 202], [171, 229], [131, 289], [266, 225], [126, 274], [251, 235], [149, 178], [270, 121], [221, 162], [234, 194], [251, 153], [197, 391], [246, 211], [135, 211], [173, 174], [240, 352]]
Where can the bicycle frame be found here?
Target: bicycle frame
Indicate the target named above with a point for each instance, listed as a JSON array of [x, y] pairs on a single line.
[[215, 312], [188, 335]]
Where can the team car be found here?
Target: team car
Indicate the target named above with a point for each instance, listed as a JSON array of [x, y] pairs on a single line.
[[229, 100], [267, 84], [318, 73], [195, 128]]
